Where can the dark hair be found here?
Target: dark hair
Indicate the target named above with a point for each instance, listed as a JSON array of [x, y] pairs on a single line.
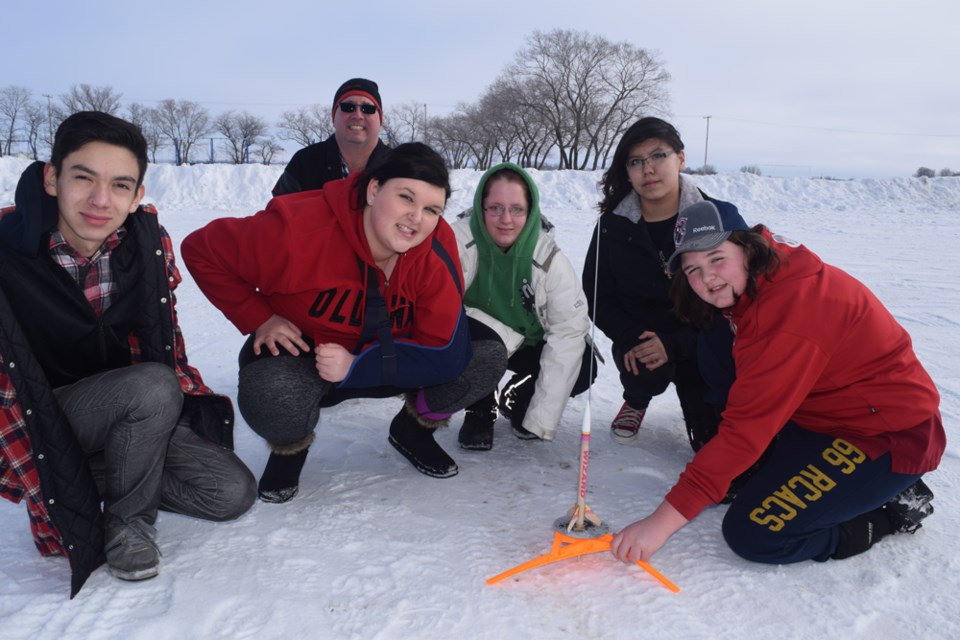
[[510, 176], [413, 160], [762, 260], [85, 127], [615, 184]]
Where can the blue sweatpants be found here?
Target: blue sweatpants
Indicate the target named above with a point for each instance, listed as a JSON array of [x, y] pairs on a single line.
[[792, 509]]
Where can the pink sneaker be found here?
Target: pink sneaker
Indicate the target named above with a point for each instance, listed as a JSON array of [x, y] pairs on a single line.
[[626, 425]]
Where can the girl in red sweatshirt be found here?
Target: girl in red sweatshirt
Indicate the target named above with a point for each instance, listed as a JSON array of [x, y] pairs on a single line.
[[824, 373]]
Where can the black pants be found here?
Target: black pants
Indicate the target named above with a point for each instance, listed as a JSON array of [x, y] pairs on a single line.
[[701, 418], [526, 361], [280, 397]]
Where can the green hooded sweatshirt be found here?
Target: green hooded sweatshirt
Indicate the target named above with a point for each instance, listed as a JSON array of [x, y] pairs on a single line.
[[503, 286]]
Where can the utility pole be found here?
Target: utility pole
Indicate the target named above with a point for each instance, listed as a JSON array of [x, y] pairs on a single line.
[[706, 145]]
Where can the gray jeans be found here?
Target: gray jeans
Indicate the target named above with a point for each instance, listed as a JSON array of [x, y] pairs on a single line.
[[128, 422]]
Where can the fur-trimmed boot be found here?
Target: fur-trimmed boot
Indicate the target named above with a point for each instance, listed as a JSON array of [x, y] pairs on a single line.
[[478, 420], [280, 481], [411, 433]]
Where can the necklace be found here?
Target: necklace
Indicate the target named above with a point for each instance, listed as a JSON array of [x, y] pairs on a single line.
[[387, 266], [663, 263]]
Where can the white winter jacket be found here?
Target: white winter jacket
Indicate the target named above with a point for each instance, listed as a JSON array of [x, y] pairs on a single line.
[[562, 309]]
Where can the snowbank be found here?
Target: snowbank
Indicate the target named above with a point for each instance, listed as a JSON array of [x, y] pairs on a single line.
[[373, 549]]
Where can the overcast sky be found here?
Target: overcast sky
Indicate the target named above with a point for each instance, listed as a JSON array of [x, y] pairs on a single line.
[[845, 88]]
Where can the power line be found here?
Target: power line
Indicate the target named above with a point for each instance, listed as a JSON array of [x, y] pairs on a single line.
[[831, 129]]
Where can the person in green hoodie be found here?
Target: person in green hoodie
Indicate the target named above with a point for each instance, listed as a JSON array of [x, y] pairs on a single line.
[[522, 286]]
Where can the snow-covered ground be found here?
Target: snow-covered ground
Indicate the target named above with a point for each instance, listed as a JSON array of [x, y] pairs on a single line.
[[373, 549]]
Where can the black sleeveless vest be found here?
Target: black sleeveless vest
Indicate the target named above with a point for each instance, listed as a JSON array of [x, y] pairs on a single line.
[[68, 339]]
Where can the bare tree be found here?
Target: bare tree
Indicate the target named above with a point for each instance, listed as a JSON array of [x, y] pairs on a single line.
[[449, 136], [567, 93], [634, 84], [305, 125], [496, 130], [519, 134], [55, 115], [84, 97], [266, 150], [34, 124], [241, 130], [466, 136], [407, 123], [585, 89], [183, 122], [146, 118], [524, 136], [13, 102]]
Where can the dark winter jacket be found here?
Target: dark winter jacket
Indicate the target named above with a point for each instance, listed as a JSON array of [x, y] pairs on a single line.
[[632, 288], [315, 165], [40, 459]]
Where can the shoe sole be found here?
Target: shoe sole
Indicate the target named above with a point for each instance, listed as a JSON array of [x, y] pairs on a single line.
[[134, 576], [476, 447], [419, 466], [624, 439], [278, 497], [525, 436]]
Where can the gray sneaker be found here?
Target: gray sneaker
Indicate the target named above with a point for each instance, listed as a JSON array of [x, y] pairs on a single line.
[[132, 554]]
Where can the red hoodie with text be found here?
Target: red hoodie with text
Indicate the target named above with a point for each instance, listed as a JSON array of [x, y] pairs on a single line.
[[816, 347], [306, 258]]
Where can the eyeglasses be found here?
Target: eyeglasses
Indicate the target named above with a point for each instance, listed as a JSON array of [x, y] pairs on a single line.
[[366, 109], [498, 210], [654, 160]]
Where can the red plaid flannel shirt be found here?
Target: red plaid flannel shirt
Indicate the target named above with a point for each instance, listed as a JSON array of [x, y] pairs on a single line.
[[18, 475], [93, 274]]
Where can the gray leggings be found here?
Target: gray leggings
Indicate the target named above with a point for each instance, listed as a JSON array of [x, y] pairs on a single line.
[[280, 397]]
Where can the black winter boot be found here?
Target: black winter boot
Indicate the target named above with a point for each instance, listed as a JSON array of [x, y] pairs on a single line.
[[514, 402], [861, 533], [702, 424], [280, 481], [415, 441], [478, 420]]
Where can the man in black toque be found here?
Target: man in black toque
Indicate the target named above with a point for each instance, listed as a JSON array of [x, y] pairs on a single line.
[[357, 118]]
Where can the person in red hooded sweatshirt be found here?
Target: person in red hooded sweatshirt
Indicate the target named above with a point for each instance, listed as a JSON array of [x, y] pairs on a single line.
[[353, 290], [822, 368]]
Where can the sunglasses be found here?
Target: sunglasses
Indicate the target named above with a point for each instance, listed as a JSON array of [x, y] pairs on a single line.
[[366, 109]]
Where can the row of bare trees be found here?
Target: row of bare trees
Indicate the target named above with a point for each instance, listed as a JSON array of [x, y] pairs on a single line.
[[564, 101], [179, 125], [927, 172]]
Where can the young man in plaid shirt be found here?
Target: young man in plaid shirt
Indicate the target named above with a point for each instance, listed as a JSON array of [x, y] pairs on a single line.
[[97, 399]]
